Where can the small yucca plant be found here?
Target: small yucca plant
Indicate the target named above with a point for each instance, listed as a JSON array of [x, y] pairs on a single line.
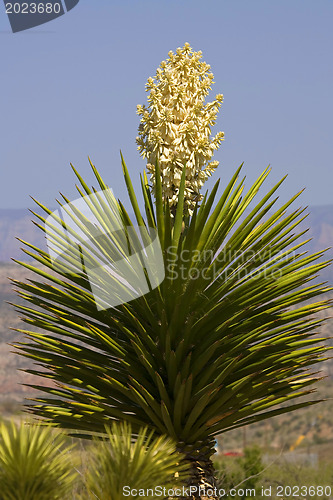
[[121, 465], [34, 463]]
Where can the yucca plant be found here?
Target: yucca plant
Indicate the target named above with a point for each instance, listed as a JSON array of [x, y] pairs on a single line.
[[226, 339], [123, 464], [35, 463]]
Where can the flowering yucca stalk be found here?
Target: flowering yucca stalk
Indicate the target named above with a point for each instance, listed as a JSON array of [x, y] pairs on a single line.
[[175, 129]]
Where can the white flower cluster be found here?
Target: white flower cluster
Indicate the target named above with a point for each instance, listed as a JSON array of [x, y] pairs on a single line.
[[176, 126]]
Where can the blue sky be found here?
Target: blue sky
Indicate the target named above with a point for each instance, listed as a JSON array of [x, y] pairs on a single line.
[[69, 89]]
